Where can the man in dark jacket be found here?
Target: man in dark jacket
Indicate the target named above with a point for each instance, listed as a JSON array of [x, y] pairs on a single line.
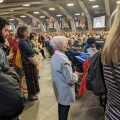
[[11, 96]]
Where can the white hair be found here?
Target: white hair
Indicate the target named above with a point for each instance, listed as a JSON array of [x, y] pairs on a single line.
[[58, 41]]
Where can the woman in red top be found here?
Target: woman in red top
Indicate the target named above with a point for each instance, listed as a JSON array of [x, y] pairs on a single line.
[[11, 39], [17, 69]]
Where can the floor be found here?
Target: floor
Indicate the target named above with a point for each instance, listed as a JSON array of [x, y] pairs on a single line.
[[85, 108]]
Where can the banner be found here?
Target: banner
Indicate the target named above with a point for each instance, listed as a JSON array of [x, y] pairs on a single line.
[[49, 23], [65, 22], [81, 21]]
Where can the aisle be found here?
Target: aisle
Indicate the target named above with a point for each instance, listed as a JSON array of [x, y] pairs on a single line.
[[45, 108]]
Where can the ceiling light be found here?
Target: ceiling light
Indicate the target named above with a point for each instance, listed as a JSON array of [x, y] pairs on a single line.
[[92, 0], [70, 4], [82, 14], [36, 12], [1, 1], [42, 16], [58, 15], [51, 8], [11, 10], [11, 19], [95, 6], [118, 2], [77, 14], [23, 16], [26, 5]]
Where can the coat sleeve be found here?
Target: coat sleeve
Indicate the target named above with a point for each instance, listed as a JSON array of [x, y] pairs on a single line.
[[68, 74], [25, 48], [12, 97]]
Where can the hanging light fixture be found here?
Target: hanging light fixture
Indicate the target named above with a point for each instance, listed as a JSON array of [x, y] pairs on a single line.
[[1, 1]]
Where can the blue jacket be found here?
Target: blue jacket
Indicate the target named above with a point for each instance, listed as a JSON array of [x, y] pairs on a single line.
[[26, 47]]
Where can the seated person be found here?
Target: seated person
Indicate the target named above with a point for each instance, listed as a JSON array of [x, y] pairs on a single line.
[[90, 47]]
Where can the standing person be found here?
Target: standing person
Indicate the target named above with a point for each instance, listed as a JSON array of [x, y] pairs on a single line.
[[11, 39], [43, 40], [62, 77], [31, 73], [111, 64], [12, 98], [35, 44], [19, 71]]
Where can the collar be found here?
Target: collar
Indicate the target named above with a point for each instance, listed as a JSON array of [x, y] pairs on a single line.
[[60, 53]]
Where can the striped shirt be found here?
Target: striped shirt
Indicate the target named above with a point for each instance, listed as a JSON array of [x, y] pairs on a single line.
[[113, 93]]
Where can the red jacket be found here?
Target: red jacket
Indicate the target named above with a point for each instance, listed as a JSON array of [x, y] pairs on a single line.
[[83, 86]]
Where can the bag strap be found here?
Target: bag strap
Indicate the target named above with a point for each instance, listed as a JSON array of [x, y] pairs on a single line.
[[23, 53], [118, 84]]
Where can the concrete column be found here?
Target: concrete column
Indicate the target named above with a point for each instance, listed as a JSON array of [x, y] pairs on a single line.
[[68, 16], [52, 18], [85, 10], [57, 26], [73, 28], [43, 29]]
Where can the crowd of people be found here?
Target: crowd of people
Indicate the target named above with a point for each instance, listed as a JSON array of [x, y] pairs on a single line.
[[21, 51]]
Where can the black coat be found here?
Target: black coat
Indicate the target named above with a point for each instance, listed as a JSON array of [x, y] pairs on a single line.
[[11, 95]]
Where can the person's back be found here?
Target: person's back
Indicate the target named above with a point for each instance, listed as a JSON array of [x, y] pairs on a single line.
[[111, 64], [113, 94]]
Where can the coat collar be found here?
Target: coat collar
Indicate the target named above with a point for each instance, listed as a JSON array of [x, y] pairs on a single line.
[[57, 52]]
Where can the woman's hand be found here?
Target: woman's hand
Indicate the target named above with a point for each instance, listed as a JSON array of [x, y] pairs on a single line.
[[94, 49], [9, 58], [77, 73]]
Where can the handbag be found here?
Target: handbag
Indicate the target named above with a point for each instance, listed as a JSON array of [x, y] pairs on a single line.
[[35, 60]]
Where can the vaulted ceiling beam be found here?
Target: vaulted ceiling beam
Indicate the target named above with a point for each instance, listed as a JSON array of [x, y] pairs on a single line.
[[85, 10]]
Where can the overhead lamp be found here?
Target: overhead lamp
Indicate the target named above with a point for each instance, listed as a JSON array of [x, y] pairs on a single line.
[[26, 5], [58, 15], [51, 8], [118, 2], [1, 1], [77, 14], [11, 19], [70, 4], [42, 16], [92, 0], [12, 10], [36, 12], [82, 14], [95, 6], [23, 16]]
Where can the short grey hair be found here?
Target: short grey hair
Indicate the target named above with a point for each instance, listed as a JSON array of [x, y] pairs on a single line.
[[58, 41]]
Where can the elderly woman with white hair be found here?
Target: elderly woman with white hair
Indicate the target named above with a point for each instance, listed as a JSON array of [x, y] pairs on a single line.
[[62, 77]]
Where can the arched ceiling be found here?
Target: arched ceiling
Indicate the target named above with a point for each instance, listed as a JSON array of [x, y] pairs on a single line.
[[40, 6]]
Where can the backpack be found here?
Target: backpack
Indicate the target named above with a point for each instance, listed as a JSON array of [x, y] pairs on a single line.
[[95, 78]]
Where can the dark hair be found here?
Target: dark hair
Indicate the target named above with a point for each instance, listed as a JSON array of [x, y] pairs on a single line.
[[20, 31], [91, 40], [3, 22], [32, 35]]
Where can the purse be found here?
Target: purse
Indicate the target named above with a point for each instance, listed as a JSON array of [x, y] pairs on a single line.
[[35, 60]]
